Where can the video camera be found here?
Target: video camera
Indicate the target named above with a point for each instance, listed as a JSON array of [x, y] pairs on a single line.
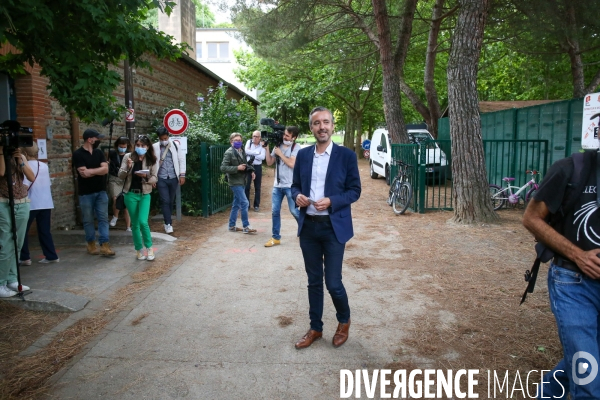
[[249, 166], [13, 135], [274, 138]]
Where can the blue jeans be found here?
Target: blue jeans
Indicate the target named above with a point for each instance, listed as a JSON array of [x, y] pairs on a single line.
[[276, 200], [90, 204], [167, 189], [8, 261], [323, 256], [240, 203], [575, 302], [43, 221]]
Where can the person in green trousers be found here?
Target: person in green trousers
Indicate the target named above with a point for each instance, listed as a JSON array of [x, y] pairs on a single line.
[[8, 262], [139, 169]]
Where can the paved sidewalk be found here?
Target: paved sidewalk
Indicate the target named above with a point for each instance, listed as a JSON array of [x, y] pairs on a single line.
[[223, 325]]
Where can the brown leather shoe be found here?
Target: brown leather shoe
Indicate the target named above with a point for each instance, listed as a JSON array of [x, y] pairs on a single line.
[[92, 249], [341, 335], [105, 250], [308, 339]]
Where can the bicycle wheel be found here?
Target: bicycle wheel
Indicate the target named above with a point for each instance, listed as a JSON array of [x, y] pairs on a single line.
[[393, 188], [497, 197], [401, 198], [530, 195]]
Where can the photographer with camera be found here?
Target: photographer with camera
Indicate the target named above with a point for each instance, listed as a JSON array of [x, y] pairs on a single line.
[[20, 170], [256, 152], [234, 164], [284, 157]]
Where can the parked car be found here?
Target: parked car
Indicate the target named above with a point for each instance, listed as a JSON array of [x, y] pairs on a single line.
[[381, 155]]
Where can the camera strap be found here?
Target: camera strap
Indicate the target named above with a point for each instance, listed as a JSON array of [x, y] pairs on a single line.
[[34, 179]]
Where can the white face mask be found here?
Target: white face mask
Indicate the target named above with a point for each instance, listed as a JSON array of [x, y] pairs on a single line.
[[287, 142], [164, 142]]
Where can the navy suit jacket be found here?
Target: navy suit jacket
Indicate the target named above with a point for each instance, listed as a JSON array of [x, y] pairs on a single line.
[[342, 186]]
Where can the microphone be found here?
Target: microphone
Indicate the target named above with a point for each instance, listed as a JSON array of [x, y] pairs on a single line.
[[109, 119]]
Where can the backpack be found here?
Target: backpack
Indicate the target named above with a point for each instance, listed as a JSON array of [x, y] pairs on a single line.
[[582, 166]]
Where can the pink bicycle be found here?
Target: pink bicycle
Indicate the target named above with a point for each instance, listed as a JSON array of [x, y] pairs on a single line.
[[513, 194]]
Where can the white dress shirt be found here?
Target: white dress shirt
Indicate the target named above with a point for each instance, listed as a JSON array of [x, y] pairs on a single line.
[[317, 179]]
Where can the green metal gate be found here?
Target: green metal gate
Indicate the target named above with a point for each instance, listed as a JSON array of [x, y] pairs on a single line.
[[216, 195], [432, 181]]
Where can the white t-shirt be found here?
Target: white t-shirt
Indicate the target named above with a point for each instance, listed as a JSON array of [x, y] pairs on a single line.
[[39, 192]]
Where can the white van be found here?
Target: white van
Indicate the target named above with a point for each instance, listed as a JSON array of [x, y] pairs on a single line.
[[381, 155]]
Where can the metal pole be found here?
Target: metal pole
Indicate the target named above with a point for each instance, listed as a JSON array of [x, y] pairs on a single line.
[[129, 101]]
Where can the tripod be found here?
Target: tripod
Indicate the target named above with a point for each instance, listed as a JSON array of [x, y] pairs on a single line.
[[13, 220]]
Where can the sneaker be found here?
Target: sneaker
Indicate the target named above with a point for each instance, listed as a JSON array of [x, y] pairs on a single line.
[[25, 262], [6, 292], [168, 228], [105, 250], [235, 229], [113, 221], [45, 261], [272, 242], [248, 229], [140, 255], [150, 254], [256, 209], [15, 286], [128, 229]]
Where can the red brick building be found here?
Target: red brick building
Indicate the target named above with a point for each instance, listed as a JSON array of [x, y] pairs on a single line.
[[26, 99]]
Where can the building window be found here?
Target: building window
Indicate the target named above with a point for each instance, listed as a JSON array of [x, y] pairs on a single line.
[[198, 50], [218, 51]]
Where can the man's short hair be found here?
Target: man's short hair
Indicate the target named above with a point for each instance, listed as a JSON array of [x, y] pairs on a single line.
[[234, 134], [293, 130], [161, 131], [318, 109]]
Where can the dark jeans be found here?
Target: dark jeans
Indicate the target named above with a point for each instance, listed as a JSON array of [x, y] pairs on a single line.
[[323, 256], [167, 188], [257, 183], [43, 220]]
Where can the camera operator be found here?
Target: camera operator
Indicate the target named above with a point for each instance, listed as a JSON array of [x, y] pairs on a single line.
[[8, 264], [234, 164], [284, 157], [255, 148]]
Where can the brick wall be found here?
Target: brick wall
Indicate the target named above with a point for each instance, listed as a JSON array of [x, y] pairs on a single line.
[[168, 84]]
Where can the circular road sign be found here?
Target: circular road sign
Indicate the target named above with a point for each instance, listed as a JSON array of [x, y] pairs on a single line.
[[366, 153], [176, 121], [366, 144]]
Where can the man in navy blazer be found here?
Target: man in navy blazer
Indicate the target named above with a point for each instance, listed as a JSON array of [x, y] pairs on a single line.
[[326, 182]]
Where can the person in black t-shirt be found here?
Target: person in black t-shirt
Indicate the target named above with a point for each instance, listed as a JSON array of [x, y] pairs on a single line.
[[91, 182], [573, 283]]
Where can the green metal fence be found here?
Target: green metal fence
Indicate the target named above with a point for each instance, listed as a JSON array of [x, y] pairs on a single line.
[[559, 123], [431, 175], [216, 195]]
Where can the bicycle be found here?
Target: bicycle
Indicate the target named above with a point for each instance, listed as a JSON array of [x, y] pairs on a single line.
[[401, 191], [501, 195]]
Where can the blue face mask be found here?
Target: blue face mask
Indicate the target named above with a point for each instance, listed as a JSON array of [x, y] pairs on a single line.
[[140, 150], [122, 150], [237, 145]]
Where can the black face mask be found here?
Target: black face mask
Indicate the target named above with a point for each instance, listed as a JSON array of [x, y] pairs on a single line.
[[96, 144]]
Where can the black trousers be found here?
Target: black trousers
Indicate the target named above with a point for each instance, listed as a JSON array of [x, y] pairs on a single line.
[[257, 183]]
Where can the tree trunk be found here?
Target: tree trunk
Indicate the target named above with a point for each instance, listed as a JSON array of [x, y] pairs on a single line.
[[572, 45], [349, 134], [357, 145], [431, 95], [391, 82], [472, 202]]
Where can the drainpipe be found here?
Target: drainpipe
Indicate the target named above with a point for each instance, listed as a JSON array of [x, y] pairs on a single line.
[[74, 146]]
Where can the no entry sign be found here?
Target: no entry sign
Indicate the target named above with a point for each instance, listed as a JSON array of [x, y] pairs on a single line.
[[176, 122]]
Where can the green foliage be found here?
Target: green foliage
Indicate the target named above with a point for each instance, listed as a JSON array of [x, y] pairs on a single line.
[[219, 116], [77, 43], [204, 17]]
